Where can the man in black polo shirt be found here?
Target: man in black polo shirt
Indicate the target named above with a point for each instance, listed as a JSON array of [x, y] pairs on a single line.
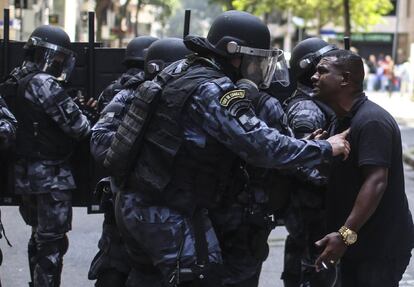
[[368, 214]]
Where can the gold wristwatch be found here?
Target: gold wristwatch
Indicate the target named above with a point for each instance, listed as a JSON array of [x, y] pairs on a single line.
[[348, 236]]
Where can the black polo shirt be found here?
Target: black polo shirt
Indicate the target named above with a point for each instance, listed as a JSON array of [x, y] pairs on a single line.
[[375, 140]]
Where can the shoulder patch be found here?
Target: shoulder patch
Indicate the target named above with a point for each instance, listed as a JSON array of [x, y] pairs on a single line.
[[230, 96]]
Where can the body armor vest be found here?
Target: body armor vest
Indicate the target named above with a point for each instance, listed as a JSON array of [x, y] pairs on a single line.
[[171, 171], [299, 96], [38, 136]]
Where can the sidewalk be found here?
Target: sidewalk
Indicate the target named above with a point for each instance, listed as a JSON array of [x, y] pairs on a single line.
[[402, 108]]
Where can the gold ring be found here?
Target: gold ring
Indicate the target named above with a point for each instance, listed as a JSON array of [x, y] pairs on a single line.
[[332, 261]]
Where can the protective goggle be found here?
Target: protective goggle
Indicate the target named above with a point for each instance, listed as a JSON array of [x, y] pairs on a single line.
[[56, 60], [262, 66]]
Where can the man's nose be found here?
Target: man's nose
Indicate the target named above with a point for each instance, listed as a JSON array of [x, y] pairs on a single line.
[[315, 77]]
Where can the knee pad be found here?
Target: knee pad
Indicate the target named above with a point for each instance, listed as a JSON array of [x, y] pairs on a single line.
[[57, 248]]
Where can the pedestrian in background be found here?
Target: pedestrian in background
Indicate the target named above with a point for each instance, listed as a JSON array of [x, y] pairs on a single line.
[[372, 73]]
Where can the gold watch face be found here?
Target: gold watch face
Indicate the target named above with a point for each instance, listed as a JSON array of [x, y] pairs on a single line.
[[351, 237]]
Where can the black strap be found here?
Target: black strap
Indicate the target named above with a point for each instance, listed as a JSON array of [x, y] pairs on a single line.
[[22, 83], [201, 246]]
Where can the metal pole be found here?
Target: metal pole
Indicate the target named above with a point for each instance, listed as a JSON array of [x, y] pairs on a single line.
[[347, 43], [21, 20], [187, 19], [300, 36], [91, 54], [395, 40], [6, 36]]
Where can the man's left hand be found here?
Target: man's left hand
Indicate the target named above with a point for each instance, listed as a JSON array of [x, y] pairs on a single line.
[[334, 249]]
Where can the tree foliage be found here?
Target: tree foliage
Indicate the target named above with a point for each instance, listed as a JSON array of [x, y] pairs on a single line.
[[317, 13], [225, 4]]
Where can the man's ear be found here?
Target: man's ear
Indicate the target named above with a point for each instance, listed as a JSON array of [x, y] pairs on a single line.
[[346, 78]]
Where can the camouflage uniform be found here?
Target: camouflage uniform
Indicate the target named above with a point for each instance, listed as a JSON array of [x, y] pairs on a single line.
[[245, 219], [111, 266], [45, 179], [131, 77], [305, 219], [201, 124]]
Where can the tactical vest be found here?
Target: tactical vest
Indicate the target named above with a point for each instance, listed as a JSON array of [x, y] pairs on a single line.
[[171, 171], [38, 136], [300, 96]]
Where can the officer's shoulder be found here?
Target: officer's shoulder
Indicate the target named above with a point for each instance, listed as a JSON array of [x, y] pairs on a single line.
[[44, 79], [225, 84], [47, 84], [305, 105], [269, 100], [123, 96]]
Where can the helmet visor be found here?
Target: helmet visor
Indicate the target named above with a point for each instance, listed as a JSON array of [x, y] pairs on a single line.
[[53, 59], [281, 73], [56, 63], [265, 68]]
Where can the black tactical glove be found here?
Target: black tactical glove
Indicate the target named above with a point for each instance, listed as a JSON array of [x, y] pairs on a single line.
[[89, 108]]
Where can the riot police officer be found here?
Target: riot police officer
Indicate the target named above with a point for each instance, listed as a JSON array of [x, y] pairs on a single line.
[[134, 62], [199, 126], [305, 217], [252, 205], [49, 124], [111, 266]]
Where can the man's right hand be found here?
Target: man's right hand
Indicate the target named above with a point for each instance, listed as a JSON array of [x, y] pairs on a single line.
[[340, 145]]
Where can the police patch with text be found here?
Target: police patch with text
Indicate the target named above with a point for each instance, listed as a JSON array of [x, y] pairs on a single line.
[[240, 108]]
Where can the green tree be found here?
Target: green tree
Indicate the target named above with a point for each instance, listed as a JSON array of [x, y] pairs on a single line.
[[317, 13], [225, 4]]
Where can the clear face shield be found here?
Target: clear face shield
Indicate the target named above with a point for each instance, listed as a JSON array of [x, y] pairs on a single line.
[[262, 66], [54, 59]]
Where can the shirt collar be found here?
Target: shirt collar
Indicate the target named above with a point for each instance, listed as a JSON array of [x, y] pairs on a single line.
[[345, 122]]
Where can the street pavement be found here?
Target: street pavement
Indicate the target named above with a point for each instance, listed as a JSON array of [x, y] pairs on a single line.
[[86, 228]]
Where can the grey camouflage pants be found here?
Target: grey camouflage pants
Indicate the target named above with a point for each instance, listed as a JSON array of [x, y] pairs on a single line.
[[161, 237], [50, 215]]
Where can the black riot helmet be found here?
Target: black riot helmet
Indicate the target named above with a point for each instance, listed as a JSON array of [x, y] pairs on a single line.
[[240, 34], [49, 48], [135, 51], [305, 56], [162, 53]]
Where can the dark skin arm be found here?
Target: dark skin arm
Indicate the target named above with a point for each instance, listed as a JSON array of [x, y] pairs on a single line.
[[367, 201]]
